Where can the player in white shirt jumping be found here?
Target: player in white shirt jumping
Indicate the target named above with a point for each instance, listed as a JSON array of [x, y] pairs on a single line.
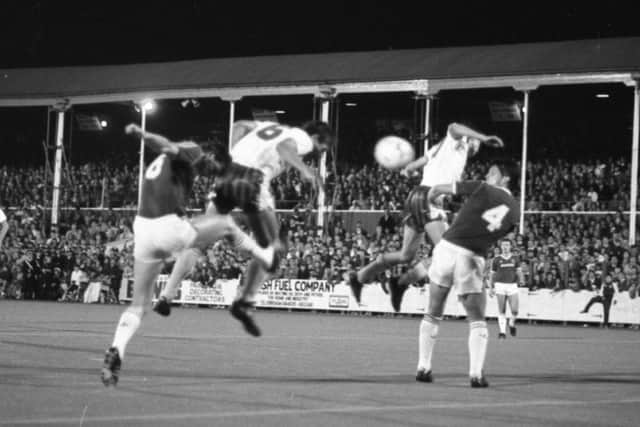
[[442, 164], [260, 151]]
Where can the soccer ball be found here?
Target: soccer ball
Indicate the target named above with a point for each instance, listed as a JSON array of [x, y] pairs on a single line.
[[393, 152]]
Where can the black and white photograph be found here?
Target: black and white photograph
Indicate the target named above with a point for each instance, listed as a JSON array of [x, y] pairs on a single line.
[[218, 213]]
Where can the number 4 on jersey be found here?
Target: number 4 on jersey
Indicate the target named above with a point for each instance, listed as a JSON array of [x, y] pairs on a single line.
[[494, 217]]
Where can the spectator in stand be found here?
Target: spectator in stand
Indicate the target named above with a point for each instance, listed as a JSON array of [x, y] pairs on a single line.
[[30, 276], [113, 272], [386, 224]]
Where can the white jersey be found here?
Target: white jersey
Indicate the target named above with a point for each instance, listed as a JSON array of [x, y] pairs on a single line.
[[257, 149], [3, 217], [447, 160]]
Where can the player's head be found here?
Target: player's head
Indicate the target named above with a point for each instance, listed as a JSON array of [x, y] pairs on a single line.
[[215, 160], [503, 174], [320, 133], [505, 246]]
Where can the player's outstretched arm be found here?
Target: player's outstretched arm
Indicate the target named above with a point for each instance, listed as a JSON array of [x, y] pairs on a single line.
[[462, 187], [457, 131], [155, 142], [240, 129], [288, 152], [439, 190], [416, 164], [492, 283]]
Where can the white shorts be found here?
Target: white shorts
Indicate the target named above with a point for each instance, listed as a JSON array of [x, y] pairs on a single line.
[[506, 289], [454, 265], [157, 239]]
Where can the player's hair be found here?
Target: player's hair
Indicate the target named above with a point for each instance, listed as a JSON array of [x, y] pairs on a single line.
[[511, 169], [319, 128], [218, 149]]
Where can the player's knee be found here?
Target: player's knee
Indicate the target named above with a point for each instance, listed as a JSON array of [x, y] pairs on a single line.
[[138, 310]]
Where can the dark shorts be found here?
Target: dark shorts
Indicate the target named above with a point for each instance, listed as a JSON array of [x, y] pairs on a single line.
[[239, 187], [417, 209]]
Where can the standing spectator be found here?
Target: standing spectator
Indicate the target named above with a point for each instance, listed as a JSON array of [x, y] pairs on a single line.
[[6, 276], [83, 281], [4, 226], [386, 224], [114, 277], [30, 276]]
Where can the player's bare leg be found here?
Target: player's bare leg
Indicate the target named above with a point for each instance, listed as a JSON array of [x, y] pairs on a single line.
[[397, 287], [410, 244], [502, 316], [513, 306], [264, 224], [210, 228], [475, 305], [429, 330], [185, 262], [145, 274]]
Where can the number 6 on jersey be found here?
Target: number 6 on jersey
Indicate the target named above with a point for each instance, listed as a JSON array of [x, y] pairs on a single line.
[[494, 217]]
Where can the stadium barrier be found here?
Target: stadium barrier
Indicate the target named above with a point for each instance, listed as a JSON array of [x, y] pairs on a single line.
[[543, 304]]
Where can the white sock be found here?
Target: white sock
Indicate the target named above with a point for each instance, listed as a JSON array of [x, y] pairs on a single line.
[[183, 266], [512, 320], [127, 326], [246, 243], [502, 323], [478, 338], [427, 340]]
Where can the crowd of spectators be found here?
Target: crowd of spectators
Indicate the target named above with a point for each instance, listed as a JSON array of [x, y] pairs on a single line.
[[553, 184], [557, 251], [58, 263]]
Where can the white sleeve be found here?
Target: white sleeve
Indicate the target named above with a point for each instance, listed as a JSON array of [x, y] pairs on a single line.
[[304, 144], [3, 217]]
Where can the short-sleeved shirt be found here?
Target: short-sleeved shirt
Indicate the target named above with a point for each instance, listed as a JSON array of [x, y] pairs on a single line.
[[504, 269], [447, 161], [3, 217], [167, 182], [489, 214], [258, 148]]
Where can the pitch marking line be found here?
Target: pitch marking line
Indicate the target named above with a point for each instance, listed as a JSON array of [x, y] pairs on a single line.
[[302, 411]]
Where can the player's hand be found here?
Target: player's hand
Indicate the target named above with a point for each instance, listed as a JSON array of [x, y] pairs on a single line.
[[404, 172], [492, 292], [494, 141], [133, 129]]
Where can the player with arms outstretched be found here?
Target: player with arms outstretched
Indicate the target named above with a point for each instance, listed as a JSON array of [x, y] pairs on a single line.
[[260, 152], [161, 231], [443, 163], [489, 214], [503, 280]]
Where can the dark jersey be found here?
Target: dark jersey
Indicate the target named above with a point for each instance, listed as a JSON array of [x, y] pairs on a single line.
[[504, 269], [488, 215], [167, 182], [239, 186]]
